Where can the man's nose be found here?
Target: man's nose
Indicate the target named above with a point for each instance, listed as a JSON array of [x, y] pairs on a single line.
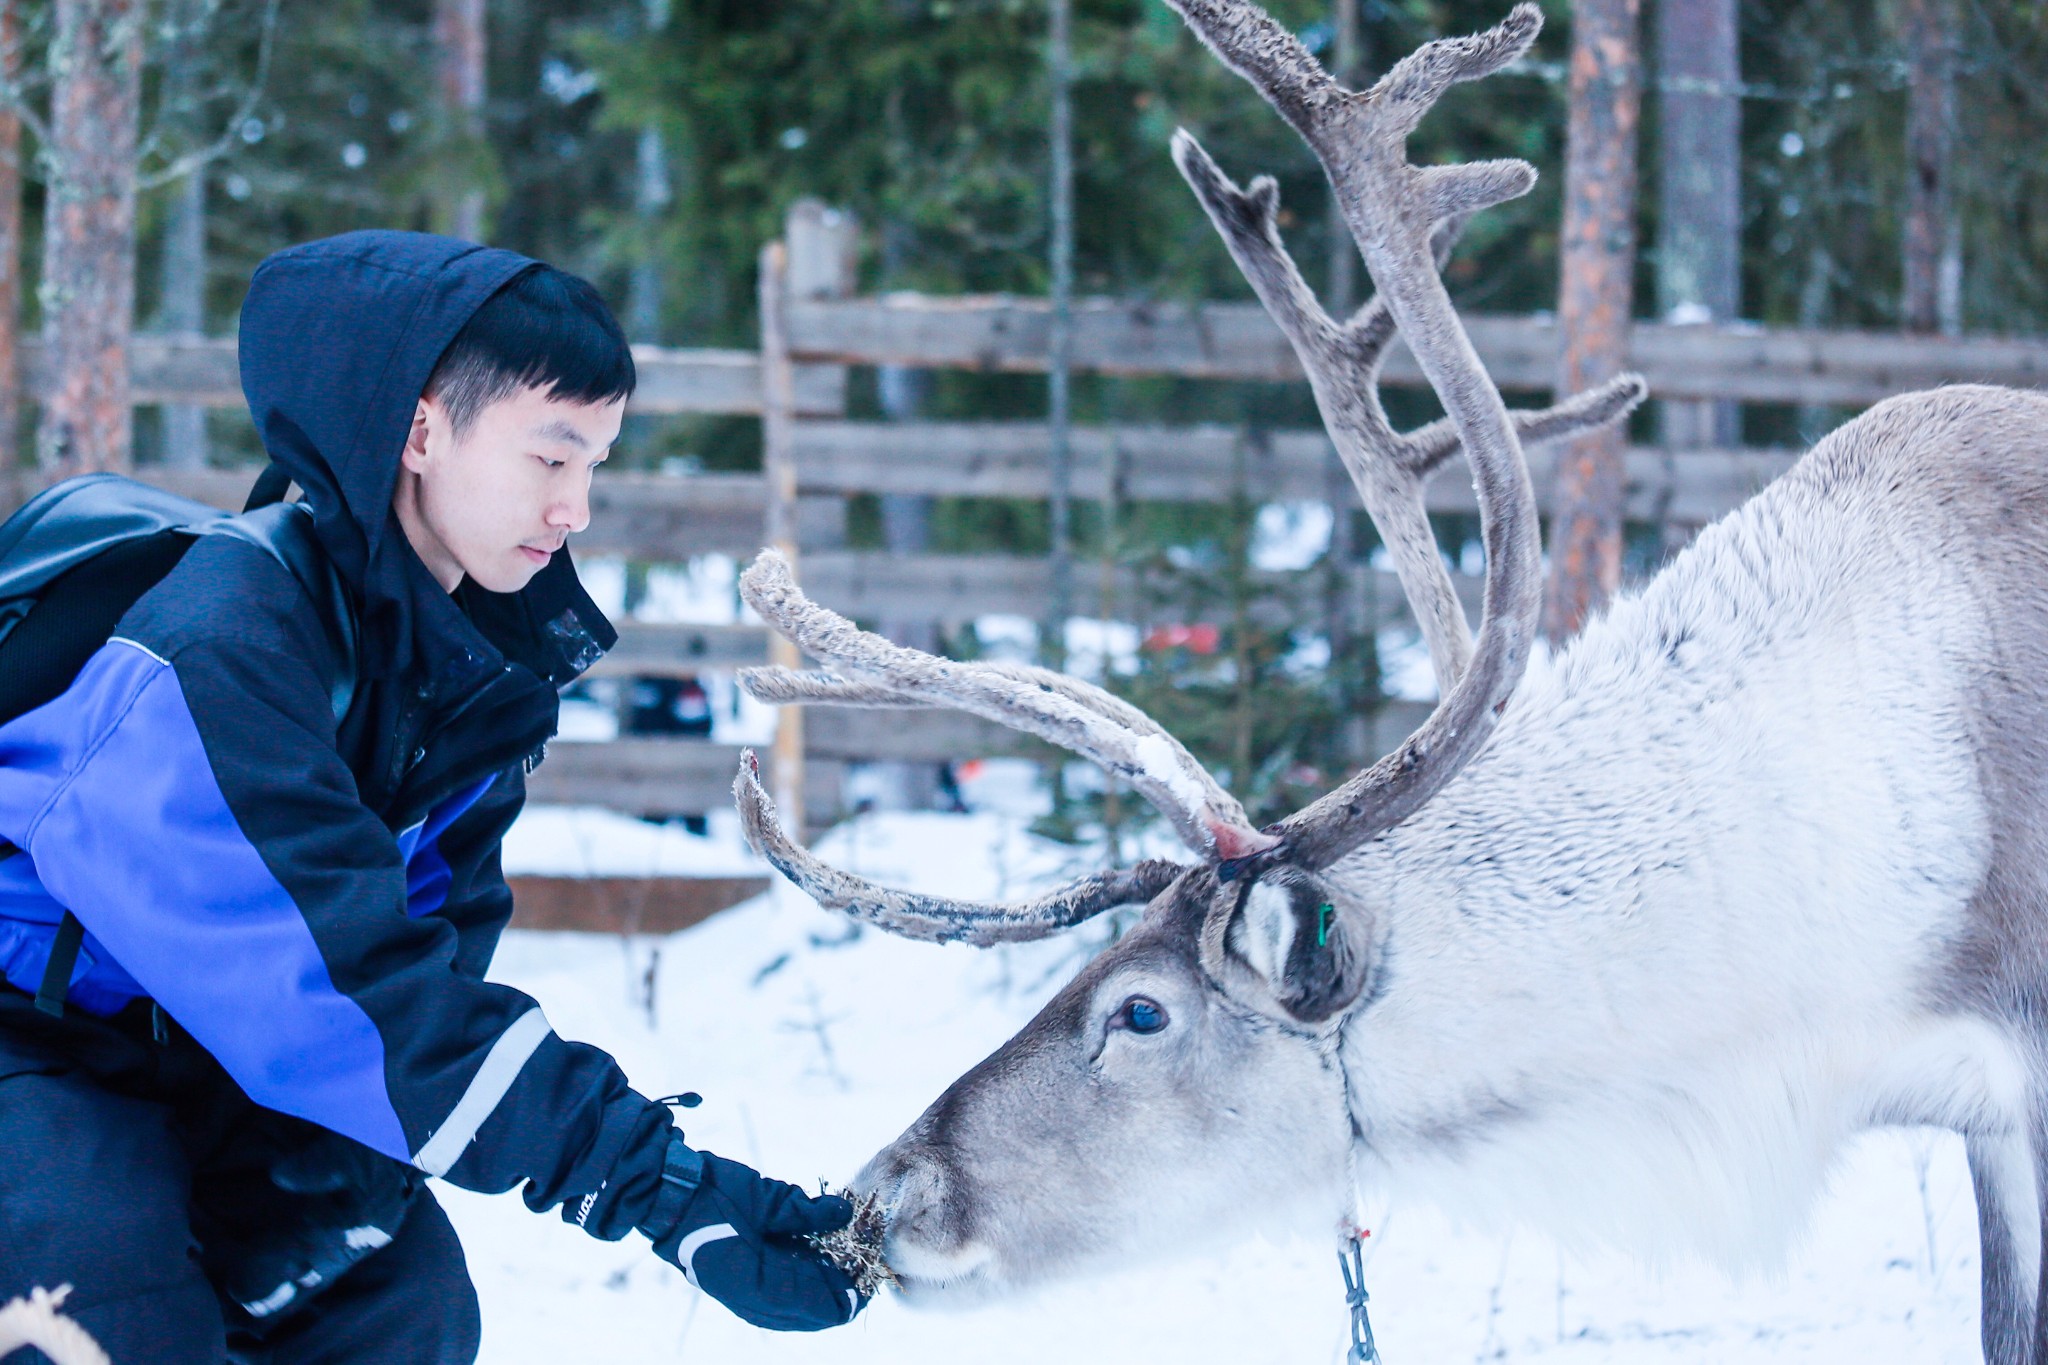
[[571, 512]]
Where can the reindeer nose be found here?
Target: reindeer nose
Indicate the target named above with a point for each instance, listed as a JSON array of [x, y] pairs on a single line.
[[894, 1173], [920, 1193], [913, 1188]]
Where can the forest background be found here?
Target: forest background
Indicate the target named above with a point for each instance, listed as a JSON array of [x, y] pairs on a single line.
[[654, 145]]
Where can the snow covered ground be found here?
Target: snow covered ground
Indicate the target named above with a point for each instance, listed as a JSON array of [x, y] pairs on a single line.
[[813, 1046]]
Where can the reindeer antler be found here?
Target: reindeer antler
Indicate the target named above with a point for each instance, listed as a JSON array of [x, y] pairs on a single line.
[[1403, 217], [936, 919], [1395, 210], [1343, 363], [864, 669], [1065, 711]]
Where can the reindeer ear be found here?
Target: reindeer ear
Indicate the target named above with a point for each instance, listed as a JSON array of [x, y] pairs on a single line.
[[1292, 940]]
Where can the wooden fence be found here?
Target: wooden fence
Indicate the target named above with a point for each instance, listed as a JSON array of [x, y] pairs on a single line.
[[818, 458]]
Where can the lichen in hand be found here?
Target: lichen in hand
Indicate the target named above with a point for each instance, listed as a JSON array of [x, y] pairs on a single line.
[[857, 1247]]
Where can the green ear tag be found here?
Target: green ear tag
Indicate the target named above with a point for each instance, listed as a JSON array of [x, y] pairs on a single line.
[[1323, 913]]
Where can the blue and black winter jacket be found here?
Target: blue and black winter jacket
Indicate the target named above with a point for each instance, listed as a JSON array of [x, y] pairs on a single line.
[[316, 903]]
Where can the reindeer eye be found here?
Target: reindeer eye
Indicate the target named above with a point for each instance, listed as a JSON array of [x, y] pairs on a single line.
[[1140, 1015]]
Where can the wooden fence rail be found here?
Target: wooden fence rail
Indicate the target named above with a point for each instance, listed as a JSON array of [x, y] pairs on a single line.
[[666, 518], [1746, 364], [668, 777], [875, 584], [203, 372], [1203, 464], [1207, 341]]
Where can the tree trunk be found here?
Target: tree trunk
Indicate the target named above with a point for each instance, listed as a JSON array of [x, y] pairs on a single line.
[[646, 286], [12, 484], [1060, 72], [1815, 292], [1595, 299], [459, 35], [1341, 605], [1933, 258], [778, 469], [653, 191], [184, 310], [1699, 237], [88, 288]]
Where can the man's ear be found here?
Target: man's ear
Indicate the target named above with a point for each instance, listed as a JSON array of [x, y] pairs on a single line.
[[1289, 944], [425, 415]]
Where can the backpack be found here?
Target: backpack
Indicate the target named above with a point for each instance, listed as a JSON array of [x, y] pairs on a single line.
[[75, 557]]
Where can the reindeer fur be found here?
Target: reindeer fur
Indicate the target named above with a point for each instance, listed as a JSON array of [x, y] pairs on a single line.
[[1625, 941], [1736, 877], [1756, 862]]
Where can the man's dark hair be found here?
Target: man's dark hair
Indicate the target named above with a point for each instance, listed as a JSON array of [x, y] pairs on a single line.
[[547, 329]]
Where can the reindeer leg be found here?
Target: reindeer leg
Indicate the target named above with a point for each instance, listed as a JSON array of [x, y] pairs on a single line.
[[2005, 1173]]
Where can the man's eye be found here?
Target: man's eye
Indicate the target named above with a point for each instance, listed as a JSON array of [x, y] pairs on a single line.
[[551, 464]]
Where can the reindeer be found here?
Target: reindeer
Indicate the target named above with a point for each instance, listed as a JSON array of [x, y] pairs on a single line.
[[1628, 938]]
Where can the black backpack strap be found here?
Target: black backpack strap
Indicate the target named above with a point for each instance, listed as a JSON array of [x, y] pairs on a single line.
[[286, 531], [270, 487], [63, 961], [56, 982]]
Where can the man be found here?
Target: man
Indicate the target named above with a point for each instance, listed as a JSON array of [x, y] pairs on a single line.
[[278, 1023]]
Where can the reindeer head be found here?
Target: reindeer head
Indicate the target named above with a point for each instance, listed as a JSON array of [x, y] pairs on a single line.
[[1188, 1082]]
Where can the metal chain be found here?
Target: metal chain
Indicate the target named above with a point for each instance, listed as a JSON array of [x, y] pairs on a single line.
[[1351, 1261]]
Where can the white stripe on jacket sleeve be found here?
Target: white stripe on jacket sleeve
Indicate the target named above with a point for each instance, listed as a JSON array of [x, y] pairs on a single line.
[[501, 1067]]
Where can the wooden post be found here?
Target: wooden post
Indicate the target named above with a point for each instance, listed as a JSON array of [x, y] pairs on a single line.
[[815, 259], [1932, 299], [778, 467], [824, 249], [1595, 300], [88, 288], [459, 40], [1699, 235]]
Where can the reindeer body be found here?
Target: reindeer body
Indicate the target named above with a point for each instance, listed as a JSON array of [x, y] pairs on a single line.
[[1625, 941], [1747, 867], [1753, 864]]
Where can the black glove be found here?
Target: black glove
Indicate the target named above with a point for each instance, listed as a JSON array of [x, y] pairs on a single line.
[[738, 1236], [292, 1210]]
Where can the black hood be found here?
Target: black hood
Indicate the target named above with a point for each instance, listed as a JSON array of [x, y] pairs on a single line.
[[338, 338]]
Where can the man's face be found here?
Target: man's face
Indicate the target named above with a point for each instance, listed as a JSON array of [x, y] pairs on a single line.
[[498, 500]]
